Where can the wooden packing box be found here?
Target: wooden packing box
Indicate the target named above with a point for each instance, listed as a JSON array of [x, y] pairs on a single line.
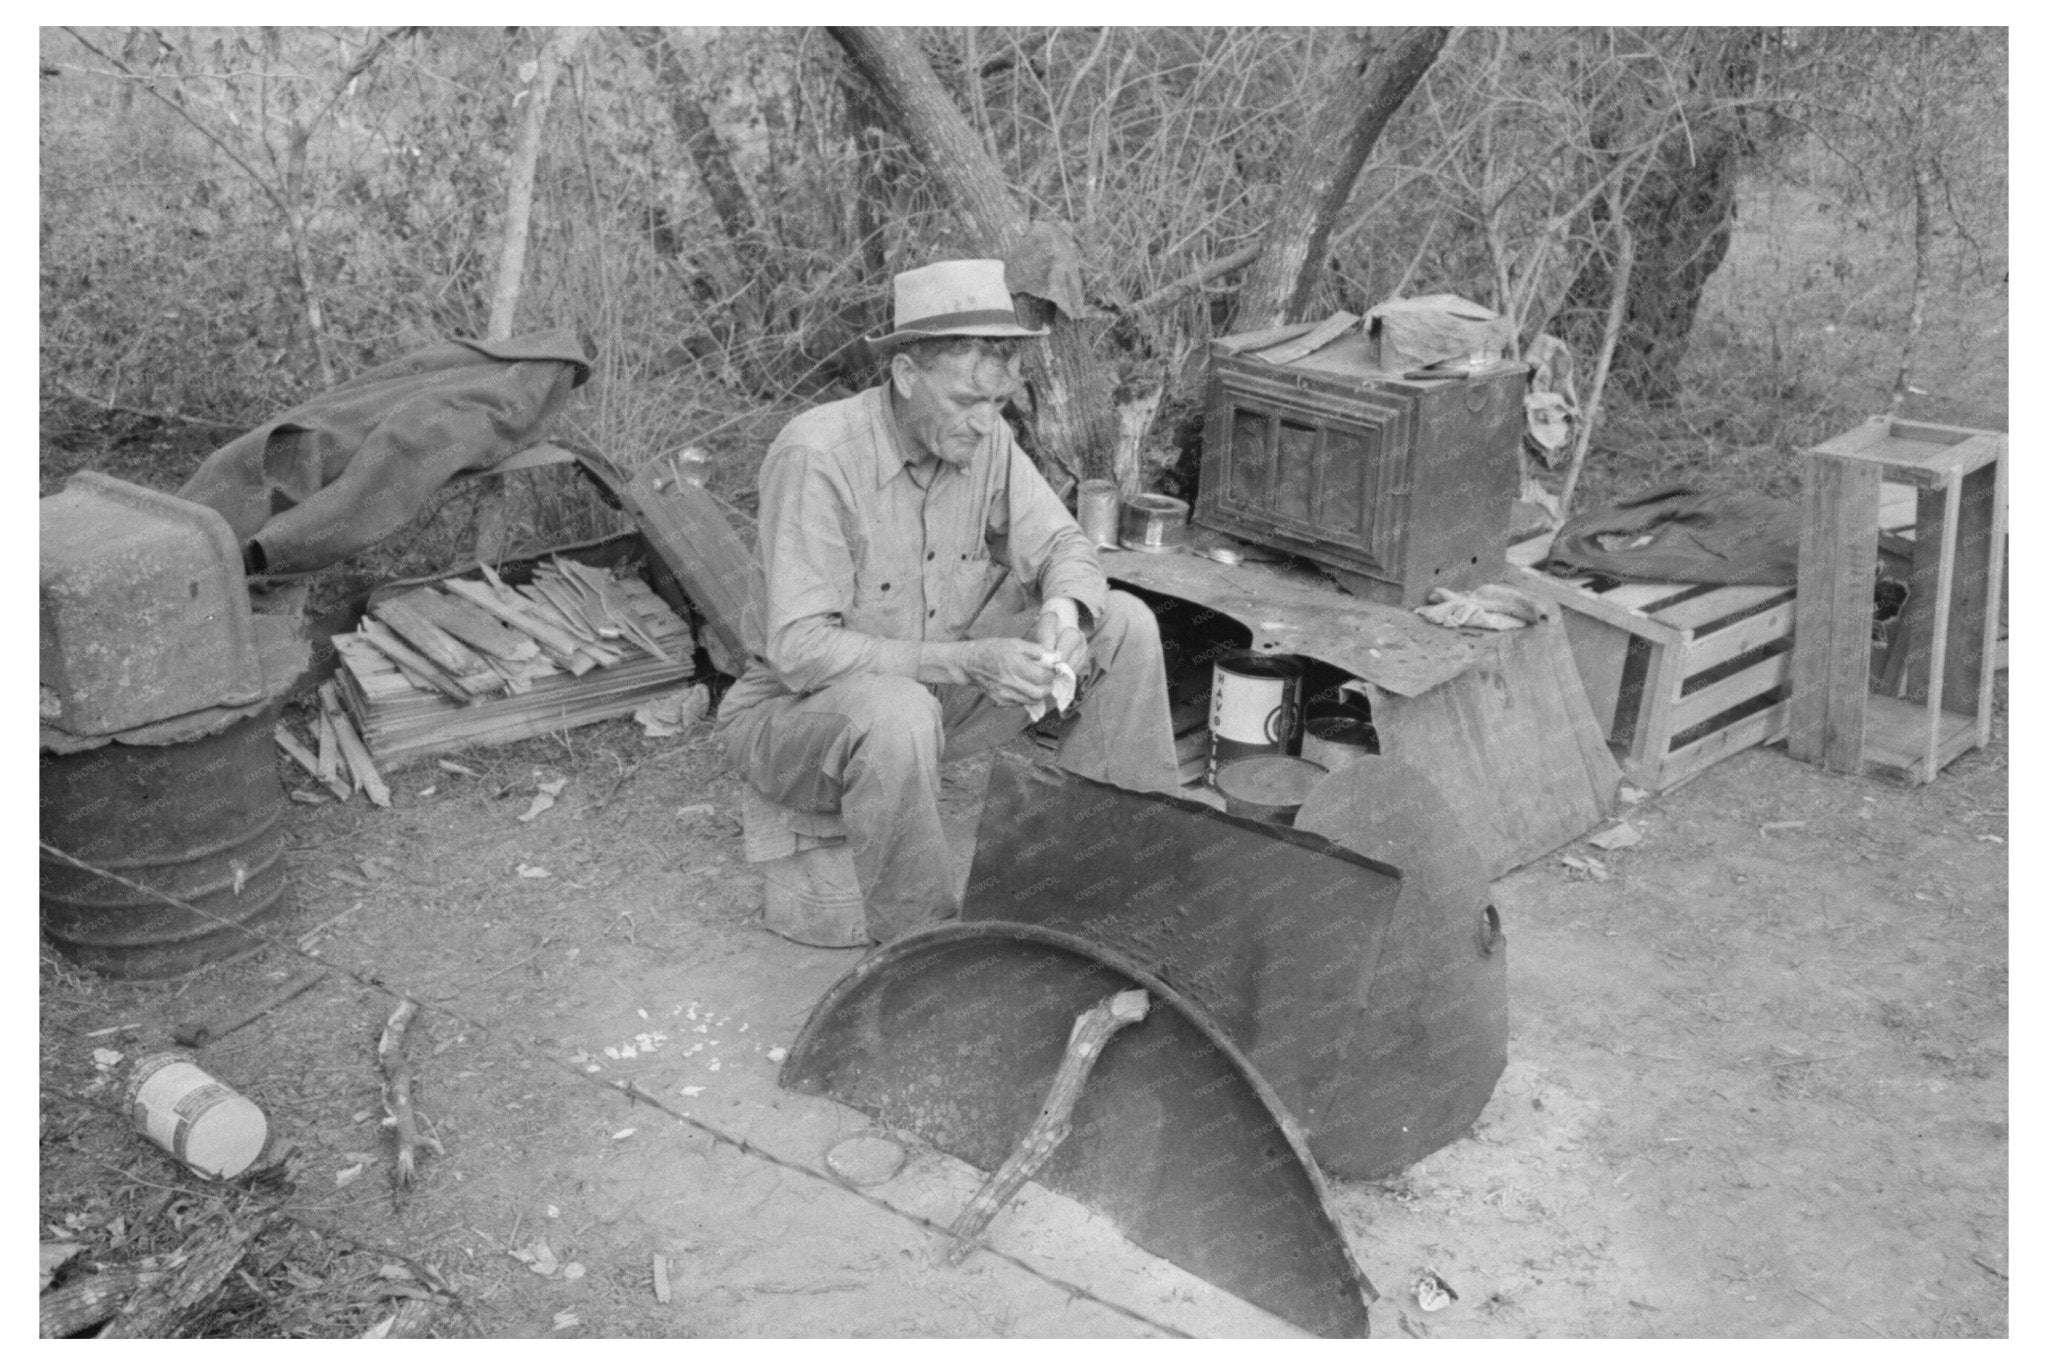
[[1932, 698], [1402, 485], [1679, 675]]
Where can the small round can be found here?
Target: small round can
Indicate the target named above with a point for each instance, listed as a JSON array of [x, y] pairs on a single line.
[[1099, 506], [203, 1122], [1154, 523]]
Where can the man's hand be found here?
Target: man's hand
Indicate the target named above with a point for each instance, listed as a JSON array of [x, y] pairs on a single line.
[[1062, 637], [1009, 670]]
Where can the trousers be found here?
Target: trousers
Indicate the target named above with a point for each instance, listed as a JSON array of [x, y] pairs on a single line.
[[869, 748]]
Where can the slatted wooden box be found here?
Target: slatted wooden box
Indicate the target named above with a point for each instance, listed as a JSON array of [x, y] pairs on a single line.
[[1679, 675]]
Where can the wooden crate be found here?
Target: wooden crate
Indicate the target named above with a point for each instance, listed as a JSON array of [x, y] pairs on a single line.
[[1933, 699], [1679, 675]]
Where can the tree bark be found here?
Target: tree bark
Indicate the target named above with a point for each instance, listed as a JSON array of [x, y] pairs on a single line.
[[1371, 86], [1681, 219], [1071, 426], [493, 514], [708, 152]]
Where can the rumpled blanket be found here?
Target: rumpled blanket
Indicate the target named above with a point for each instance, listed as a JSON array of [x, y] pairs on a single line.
[[339, 472]]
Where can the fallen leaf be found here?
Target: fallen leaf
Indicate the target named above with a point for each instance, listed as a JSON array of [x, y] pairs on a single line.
[[690, 1090], [674, 712], [701, 808], [394, 1271], [776, 1054], [661, 1289], [566, 1319], [345, 1177], [526, 871], [380, 1331], [623, 1134], [426, 790], [1623, 835], [544, 797], [105, 1058], [573, 1271], [1630, 795], [450, 766]]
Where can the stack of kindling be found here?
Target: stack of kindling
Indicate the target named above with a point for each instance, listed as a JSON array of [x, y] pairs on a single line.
[[469, 660]]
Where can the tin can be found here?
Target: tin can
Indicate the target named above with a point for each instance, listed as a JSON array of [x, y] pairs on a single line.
[[201, 1121], [1337, 737], [1154, 523], [1267, 787], [1100, 507], [1254, 706]]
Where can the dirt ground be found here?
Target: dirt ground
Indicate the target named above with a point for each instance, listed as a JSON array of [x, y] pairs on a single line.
[[1757, 1085]]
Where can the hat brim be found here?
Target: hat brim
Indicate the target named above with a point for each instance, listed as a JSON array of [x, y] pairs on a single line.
[[984, 329]]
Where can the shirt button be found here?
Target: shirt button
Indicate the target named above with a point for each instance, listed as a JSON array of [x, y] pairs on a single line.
[[932, 612], [931, 554], [885, 587]]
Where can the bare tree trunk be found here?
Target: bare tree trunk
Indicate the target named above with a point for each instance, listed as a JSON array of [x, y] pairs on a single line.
[[1923, 248], [493, 511], [708, 152], [540, 92], [1371, 87], [1072, 427]]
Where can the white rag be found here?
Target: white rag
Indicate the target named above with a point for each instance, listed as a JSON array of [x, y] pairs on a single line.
[[1063, 684]]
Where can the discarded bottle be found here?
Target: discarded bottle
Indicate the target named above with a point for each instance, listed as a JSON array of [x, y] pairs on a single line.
[[693, 465], [203, 1122]]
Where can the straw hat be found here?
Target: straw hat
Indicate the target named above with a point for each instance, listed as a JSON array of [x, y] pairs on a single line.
[[954, 299]]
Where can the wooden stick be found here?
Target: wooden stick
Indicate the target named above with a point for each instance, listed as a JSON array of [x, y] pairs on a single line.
[[448, 653], [352, 747], [1093, 1028], [398, 1093], [483, 596], [412, 663], [328, 765], [303, 756], [197, 1271], [475, 627], [88, 1302], [199, 1035]]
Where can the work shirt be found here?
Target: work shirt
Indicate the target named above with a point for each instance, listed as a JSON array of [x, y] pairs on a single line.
[[857, 565]]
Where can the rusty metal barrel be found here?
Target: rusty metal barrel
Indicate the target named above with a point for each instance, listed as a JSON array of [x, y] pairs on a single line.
[[199, 820]]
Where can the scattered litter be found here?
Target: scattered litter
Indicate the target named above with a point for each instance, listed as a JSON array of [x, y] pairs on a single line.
[[566, 1319], [376, 869], [394, 1271], [346, 1176], [701, 808], [1592, 867], [1776, 825], [359, 1116], [573, 1271], [538, 1258], [526, 871], [623, 1134], [105, 1058], [1989, 839], [690, 1090], [450, 766], [714, 1065], [641, 1013], [1623, 835], [776, 1054], [865, 1159], [1433, 1292], [554, 1212], [592, 1069], [673, 712], [661, 1289], [543, 797], [1630, 795], [427, 790]]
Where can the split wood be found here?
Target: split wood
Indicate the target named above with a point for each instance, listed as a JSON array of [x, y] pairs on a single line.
[[199, 1035], [352, 747], [398, 1093], [301, 755], [1093, 1028], [419, 670], [198, 1268]]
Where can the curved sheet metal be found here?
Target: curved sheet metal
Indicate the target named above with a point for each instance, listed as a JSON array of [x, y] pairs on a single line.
[[954, 1034]]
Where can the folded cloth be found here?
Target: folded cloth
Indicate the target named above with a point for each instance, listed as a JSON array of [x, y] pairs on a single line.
[[1490, 606], [1063, 684]]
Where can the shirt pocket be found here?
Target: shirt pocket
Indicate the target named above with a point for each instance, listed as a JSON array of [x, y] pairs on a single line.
[[968, 574], [885, 591]]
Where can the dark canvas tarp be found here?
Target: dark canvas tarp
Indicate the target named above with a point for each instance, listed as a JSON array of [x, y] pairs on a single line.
[[1680, 535], [342, 471]]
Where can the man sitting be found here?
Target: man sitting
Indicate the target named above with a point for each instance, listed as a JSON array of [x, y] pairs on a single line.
[[886, 520]]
